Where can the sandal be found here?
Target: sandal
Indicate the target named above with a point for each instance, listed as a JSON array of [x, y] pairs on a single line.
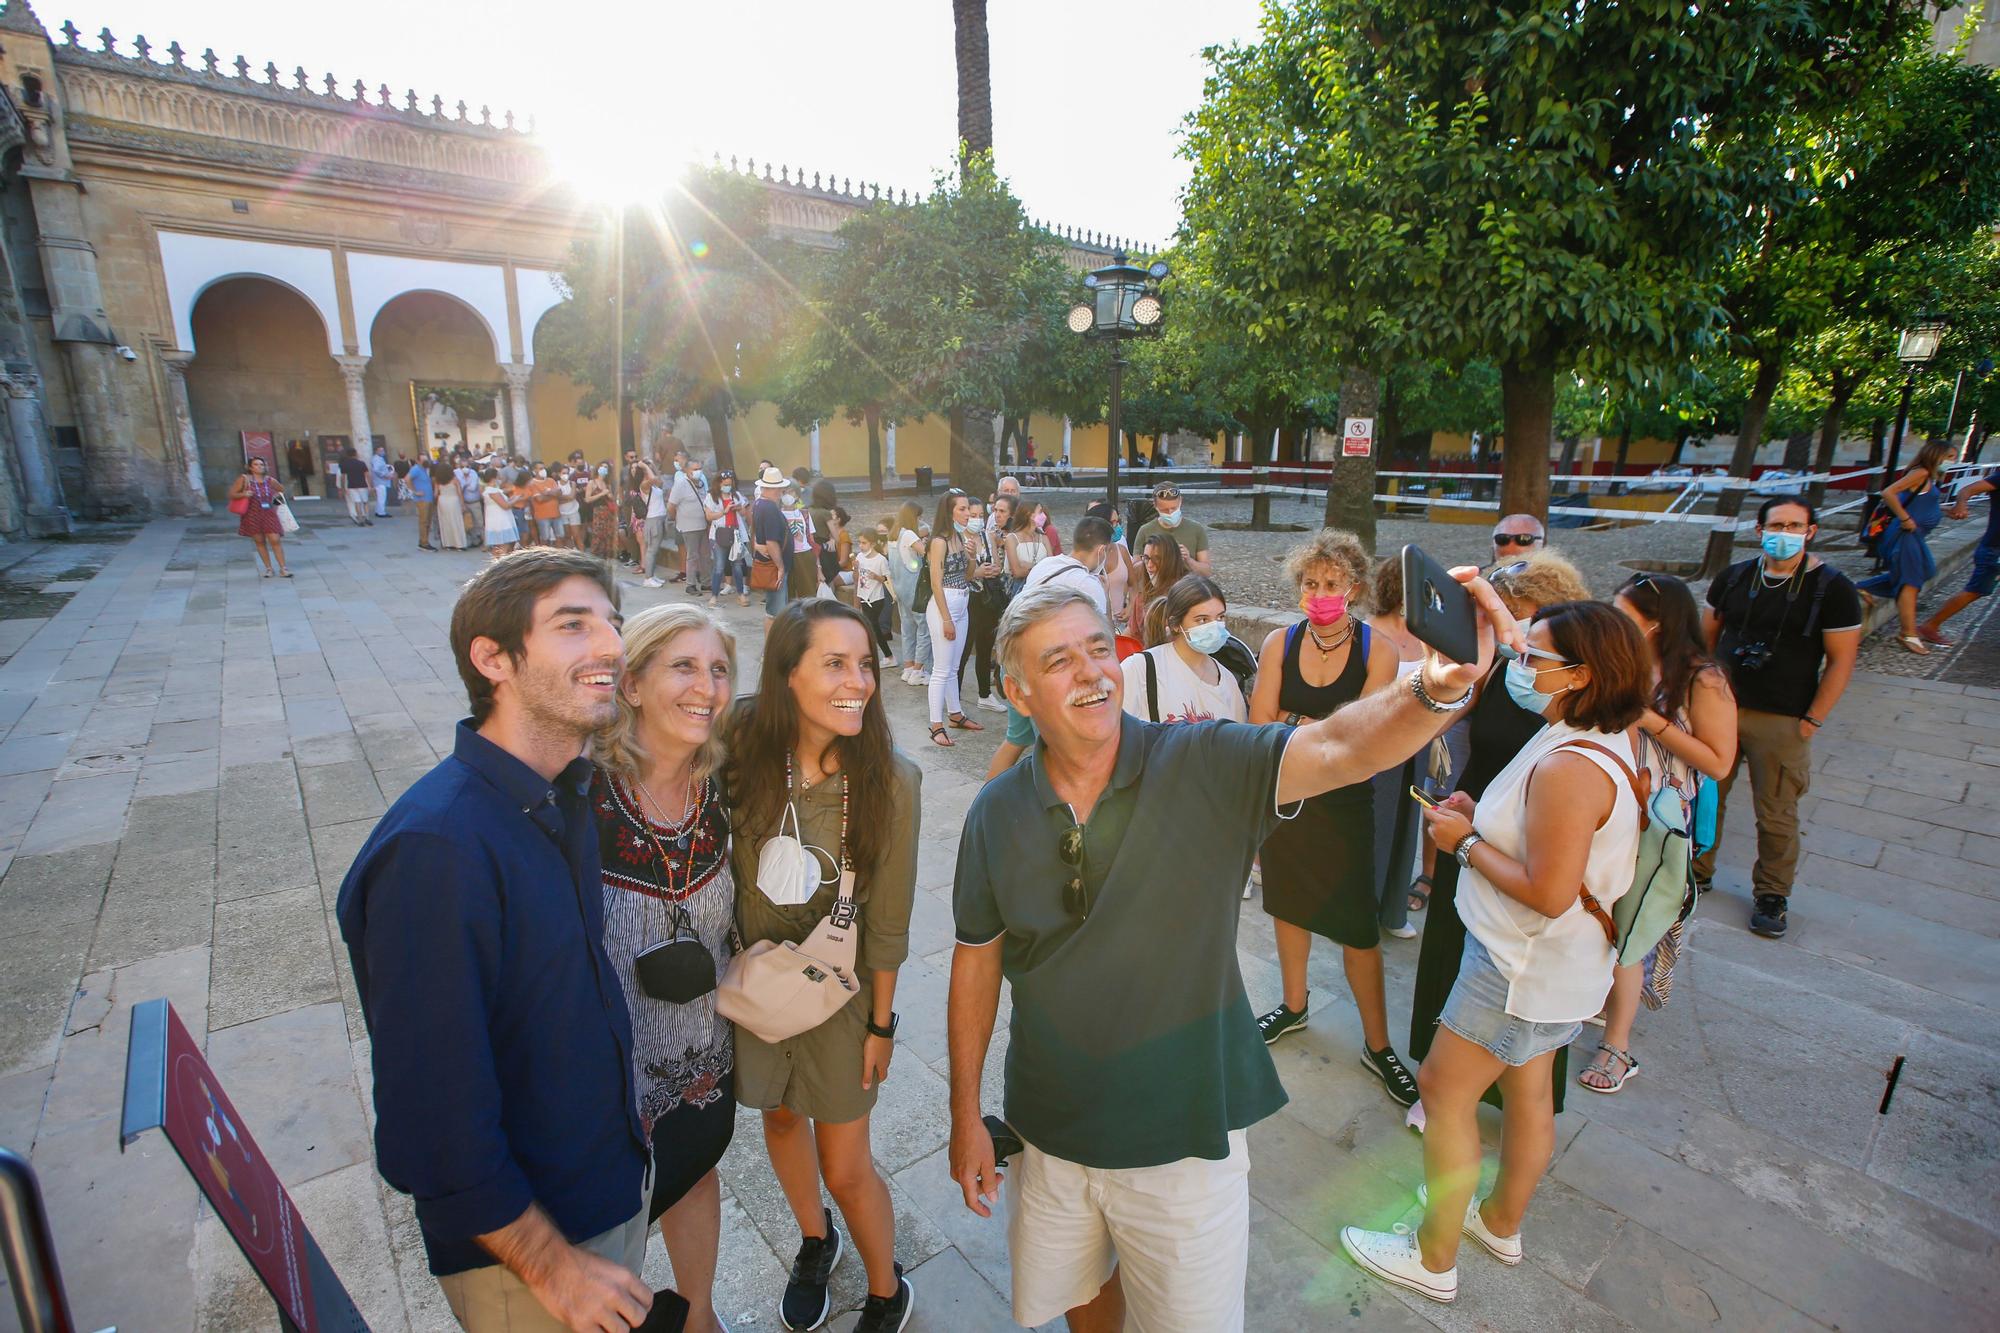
[[1931, 636], [1601, 1066], [1420, 898], [939, 736], [1914, 644], [964, 723]]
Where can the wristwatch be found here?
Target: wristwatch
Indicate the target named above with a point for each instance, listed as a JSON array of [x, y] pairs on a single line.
[[890, 1031], [1464, 849]]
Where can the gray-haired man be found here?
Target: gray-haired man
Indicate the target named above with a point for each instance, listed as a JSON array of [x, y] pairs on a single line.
[[1134, 1067], [1516, 536]]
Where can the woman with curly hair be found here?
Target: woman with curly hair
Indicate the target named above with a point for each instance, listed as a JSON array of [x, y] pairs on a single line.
[[1319, 866]]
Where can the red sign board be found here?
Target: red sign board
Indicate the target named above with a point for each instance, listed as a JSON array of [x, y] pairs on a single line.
[[260, 444], [1358, 440]]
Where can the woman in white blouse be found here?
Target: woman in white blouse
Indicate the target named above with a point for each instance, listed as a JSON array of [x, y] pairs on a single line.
[[1546, 852]]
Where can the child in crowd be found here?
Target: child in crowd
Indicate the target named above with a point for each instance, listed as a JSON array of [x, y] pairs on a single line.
[[871, 585]]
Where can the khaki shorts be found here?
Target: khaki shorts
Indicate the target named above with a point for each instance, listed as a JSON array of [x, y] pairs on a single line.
[[1178, 1235], [493, 1300]]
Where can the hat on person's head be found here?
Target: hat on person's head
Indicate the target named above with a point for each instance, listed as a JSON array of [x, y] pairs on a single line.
[[770, 476]]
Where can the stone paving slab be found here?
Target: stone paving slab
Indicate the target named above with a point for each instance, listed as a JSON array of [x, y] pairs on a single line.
[[190, 757]]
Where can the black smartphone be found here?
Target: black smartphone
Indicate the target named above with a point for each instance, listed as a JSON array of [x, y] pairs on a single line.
[[668, 1315], [1006, 1143], [1437, 607]]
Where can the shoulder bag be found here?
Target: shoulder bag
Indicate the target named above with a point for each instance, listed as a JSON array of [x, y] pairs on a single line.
[[774, 991]]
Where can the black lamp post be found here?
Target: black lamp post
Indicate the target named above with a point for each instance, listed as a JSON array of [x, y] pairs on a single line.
[[1124, 302], [1917, 348]]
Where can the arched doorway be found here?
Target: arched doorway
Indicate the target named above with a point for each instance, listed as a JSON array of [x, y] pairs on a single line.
[[427, 340], [260, 363]]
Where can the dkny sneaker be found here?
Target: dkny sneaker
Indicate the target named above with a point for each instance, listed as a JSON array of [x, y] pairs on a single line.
[[806, 1304]]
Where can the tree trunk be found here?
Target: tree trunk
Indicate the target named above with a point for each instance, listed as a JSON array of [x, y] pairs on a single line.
[[1798, 450], [718, 440], [1624, 444], [1567, 464], [1680, 447], [1350, 482], [628, 431], [1975, 441], [1749, 434], [1878, 441], [1132, 454], [975, 77], [971, 459], [1528, 403], [873, 416], [1844, 385], [1261, 432]]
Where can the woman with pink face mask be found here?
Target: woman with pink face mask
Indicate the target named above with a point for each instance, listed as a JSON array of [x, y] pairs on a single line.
[[1319, 866]]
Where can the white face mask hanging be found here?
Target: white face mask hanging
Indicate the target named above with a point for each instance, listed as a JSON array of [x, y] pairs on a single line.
[[788, 871]]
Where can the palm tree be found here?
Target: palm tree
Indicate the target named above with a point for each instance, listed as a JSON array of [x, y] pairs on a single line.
[[972, 460]]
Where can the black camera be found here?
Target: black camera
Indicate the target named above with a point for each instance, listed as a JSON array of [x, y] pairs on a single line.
[[1752, 656]]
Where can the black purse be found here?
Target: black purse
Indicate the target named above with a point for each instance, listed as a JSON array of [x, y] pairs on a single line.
[[678, 969]]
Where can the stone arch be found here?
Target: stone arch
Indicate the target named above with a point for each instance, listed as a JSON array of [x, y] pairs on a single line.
[[260, 364], [192, 264], [375, 280], [425, 338]]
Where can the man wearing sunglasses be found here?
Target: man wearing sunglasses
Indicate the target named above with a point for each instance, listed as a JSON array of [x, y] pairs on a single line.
[[1517, 535], [1101, 877], [1172, 522]]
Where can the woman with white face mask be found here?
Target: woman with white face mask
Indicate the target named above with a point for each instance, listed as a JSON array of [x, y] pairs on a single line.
[[1180, 680]]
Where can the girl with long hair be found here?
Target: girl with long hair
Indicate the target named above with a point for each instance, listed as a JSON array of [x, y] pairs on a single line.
[[663, 839], [260, 495], [1693, 718], [1161, 566], [811, 751], [1917, 505], [953, 569], [1187, 682], [906, 558]]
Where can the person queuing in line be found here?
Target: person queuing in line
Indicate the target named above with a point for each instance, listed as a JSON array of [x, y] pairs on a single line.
[[1398, 829], [770, 537], [1545, 854], [906, 563], [1497, 728], [663, 844], [1318, 865], [871, 589], [1022, 545], [354, 480], [450, 501], [688, 498], [1170, 520], [1132, 1194], [257, 491], [1785, 626], [948, 616], [473, 917], [471, 496], [1985, 562], [416, 479], [570, 483], [811, 752], [1692, 720], [1517, 536], [657, 540], [728, 538], [500, 526], [299, 459], [1916, 502], [1180, 680], [1161, 566], [984, 549], [381, 474], [1119, 574]]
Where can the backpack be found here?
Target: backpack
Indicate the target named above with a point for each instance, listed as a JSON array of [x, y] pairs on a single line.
[[1662, 893], [1234, 657]]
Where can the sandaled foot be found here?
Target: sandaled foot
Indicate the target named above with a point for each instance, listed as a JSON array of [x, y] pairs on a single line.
[[1911, 643], [1931, 636], [1609, 1071], [964, 723], [1420, 893], [939, 736]]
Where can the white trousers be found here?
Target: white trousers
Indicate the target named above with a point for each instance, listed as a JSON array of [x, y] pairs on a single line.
[[947, 653]]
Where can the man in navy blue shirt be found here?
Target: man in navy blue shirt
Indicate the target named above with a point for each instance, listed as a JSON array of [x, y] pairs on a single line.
[[474, 919]]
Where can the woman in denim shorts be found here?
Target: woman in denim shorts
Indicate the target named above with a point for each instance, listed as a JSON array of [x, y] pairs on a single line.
[[1544, 854]]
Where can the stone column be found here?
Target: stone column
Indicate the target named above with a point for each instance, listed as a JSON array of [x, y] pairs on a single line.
[[518, 376], [814, 464], [183, 438], [889, 450], [352, 371], [46, 514], [1066, 437]]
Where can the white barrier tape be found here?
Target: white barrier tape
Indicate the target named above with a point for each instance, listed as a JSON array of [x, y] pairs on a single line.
[[1706, 481], [1595, 516]]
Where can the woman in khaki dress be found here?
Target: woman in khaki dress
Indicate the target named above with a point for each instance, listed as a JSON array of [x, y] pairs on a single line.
[[815, 738]]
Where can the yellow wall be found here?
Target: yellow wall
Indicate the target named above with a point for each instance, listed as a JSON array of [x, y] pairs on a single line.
[[557, 427], [260, 364]]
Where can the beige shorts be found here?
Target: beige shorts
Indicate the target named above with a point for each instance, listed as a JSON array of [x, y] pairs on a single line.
[[493, 1300], [1178, 1235]]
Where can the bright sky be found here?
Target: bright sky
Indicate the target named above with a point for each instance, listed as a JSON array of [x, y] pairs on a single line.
[[1088, 95]]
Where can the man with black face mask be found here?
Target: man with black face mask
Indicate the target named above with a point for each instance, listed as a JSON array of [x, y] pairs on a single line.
[[1785, 626]]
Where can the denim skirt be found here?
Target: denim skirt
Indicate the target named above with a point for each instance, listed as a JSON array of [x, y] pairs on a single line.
[[1477, 1011]]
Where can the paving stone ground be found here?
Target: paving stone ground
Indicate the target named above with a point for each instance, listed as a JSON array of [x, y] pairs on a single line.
[[190, 755]]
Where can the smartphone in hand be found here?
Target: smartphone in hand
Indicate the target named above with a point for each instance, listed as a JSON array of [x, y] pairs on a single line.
[[1424, 798], [1437, 608]]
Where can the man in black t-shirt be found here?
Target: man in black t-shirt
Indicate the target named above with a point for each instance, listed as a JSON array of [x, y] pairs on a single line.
[[1785, 627], [770, 535], [355, 480]]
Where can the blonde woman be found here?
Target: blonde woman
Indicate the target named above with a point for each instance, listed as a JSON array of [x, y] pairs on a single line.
[[663, 839]]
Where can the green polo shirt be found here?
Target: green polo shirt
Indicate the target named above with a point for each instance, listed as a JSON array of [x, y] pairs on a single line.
[[1132, 1043], [1189, 534]]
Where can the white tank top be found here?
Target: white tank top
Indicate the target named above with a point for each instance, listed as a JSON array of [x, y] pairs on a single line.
[[1558, 969]]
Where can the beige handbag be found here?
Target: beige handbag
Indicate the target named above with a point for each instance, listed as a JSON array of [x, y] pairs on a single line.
[[774, 991]]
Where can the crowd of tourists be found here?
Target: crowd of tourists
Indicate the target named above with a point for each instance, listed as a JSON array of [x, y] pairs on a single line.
[[642, 891]]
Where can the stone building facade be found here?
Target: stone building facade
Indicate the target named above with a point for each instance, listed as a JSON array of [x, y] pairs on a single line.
[[194, 249]]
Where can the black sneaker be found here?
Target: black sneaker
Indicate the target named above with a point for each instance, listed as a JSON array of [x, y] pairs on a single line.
[[806, 1303], [1384, 1065], [1768, 918], [888, 1314], [1279, 1022]]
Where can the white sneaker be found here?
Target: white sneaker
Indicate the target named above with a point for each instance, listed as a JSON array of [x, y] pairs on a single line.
[[991, 704], [655, 583], [1507, 1249], [1403, 932], [1398, 1260]]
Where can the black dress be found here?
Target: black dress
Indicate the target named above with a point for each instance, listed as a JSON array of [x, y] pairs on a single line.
[[1497, 728], [1319, 868]]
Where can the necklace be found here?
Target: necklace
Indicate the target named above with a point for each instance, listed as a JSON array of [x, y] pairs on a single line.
[[689, 801], [1325, 648]]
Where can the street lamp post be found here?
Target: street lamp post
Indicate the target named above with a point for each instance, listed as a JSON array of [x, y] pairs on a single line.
[[1123, 302], [1917, 348]]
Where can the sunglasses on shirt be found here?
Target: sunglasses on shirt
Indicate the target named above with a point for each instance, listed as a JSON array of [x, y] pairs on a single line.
[[1076, 901]]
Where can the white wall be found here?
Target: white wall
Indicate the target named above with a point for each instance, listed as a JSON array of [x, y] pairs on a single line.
[[193, 264]]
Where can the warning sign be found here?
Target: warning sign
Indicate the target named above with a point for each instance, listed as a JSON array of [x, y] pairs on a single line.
[[1358, 440]]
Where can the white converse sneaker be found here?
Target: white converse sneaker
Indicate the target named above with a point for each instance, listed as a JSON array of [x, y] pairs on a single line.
[[1507, 1249], [1397, 1259]]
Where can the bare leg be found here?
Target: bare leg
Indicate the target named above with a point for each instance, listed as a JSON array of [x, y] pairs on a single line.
[[1527, 1141], [263, 551], [1957, 602], [1364, 979], [692, 1229], [1451, 1080], [1906, 611], [1620, 1010], [1106, 1311], [851, 1178], [788, 1138], [1294, 948], [278, 549]]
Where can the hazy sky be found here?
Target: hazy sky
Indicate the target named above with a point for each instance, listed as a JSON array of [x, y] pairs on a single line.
[[1088, 95]]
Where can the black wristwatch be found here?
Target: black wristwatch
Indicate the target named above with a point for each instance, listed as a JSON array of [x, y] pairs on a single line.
[[890, 1031]]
